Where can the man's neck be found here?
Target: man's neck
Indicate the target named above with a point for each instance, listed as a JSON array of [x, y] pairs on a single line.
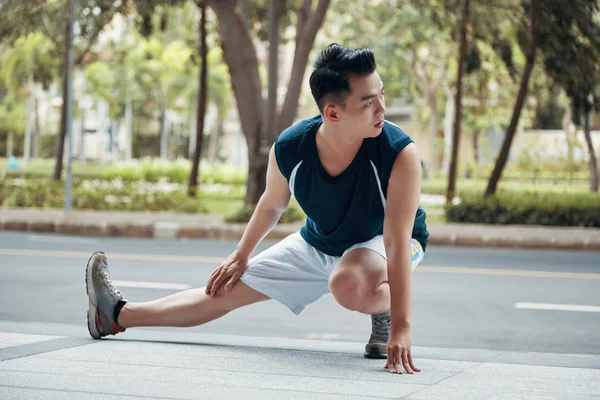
[[334, 142]]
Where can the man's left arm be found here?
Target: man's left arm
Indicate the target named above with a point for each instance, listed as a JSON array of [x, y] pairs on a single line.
[[403, 197]]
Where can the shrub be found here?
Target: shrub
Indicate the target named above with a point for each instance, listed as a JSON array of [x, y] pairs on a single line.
[[292, 214], [565, 209], [98, 195]]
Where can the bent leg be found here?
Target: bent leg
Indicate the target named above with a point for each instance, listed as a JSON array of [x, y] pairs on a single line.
[[359, 282], [188, 308]]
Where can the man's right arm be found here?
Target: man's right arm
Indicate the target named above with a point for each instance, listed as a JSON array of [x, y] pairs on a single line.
[[273, 202]]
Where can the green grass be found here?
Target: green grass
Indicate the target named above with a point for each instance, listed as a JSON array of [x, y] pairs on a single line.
[[222, 207], [472, 186]]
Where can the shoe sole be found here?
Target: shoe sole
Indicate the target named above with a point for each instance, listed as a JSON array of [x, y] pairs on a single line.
[[92, 309], [374, 351]]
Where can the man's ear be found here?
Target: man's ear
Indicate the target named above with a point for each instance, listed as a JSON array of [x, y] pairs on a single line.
[[330, 112]]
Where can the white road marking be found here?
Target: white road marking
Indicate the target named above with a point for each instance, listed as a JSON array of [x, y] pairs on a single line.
[[557, 307], [84, 255], [111, 256], [322, 336], [508, 272], [151, 285], [52, 239]]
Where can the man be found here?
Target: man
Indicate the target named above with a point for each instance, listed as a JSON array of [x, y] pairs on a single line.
[[357, 177]]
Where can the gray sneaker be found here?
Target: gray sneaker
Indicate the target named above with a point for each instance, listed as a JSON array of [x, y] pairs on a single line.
[[380, 332], [102, 296]]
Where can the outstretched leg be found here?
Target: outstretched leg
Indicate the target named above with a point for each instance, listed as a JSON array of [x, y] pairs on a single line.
[[188, 308]]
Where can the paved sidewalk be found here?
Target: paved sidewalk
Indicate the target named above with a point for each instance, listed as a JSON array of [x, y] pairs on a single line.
[[171, 226], [65, 363]]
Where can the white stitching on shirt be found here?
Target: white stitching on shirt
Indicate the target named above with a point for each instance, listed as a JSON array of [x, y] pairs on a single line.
[[378, 184], [293, 177]]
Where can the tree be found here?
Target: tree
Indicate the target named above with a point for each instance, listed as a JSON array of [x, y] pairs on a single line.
[[193, 182], [20, 17], [240, 55], [571, 48], [26, 64], [456, 132], [534, 11]]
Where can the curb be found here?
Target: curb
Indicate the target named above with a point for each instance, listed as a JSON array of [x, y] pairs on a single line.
[[174, 230]]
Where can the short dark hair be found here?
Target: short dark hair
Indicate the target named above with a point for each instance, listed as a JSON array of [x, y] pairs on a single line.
[[332, 66]]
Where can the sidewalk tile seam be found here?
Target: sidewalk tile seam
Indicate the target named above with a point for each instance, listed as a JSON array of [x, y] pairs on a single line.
[[32, 349], [88, 392], [440, 382], [153, 380], [377, 381]]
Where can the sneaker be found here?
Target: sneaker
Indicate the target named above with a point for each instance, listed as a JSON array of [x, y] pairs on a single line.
[[380, 332], [102, 296]]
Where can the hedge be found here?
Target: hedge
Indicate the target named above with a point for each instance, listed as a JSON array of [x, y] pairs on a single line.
[[556, 209]]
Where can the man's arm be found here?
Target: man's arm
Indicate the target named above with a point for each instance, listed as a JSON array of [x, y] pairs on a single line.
[[273, 202], [271, 205], [403, 196]]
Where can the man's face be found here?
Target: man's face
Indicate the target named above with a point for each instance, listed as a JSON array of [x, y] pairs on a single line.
[[362, 116]]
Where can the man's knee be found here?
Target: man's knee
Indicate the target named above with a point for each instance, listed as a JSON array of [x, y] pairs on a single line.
[[348, 288]]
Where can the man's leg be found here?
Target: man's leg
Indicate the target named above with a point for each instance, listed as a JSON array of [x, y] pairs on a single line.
[[359, 282], [188, 308], [109, 313]]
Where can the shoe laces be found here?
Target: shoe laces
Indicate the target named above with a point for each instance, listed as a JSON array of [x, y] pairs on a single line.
[[380, 328], [105, 274]]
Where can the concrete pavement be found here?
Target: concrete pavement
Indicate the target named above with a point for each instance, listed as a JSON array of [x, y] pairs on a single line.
[[171, 226], [53, 361]]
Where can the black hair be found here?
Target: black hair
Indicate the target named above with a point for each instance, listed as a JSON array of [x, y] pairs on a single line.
[[332, 65]]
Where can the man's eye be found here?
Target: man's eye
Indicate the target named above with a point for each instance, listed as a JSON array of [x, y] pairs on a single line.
[[369, 104]]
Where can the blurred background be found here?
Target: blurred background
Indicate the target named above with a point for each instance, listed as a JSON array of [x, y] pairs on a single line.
[[175, 103], [165, 109]]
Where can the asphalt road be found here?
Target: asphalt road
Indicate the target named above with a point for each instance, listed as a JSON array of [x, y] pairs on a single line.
[[463, 298]]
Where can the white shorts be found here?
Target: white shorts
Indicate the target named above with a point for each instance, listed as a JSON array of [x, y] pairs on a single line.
[[296, 274]]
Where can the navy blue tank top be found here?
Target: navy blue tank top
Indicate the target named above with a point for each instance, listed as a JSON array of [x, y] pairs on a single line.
[[349, 208]]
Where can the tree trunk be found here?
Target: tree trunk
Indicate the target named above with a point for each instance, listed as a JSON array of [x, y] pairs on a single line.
[[240, 55], [431, 153], [128, 127], [114, 140], [9, 144], [458, 107], [448, 119], [193, 127], [81, 151], [60, 138], [512, 128], [476, 133], [30, 108], [306, 30], [276, 9], [215, 138], [593, 164], [567, 123], [162, 134], [36, 132], [193, 182]]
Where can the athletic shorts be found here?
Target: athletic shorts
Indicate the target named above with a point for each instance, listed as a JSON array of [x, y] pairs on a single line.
[[296, 274]]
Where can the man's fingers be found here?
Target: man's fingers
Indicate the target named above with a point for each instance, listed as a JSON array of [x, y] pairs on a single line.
[[217, 283], [390, 360], [232, 281], [394, 362], [211, 279], [412, 364], [405, 362]]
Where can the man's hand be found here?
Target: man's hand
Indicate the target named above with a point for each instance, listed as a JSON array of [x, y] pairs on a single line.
[[228, 273], [398, 351]]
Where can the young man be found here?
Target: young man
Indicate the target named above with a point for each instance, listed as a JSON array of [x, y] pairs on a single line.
[[357, 177]]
